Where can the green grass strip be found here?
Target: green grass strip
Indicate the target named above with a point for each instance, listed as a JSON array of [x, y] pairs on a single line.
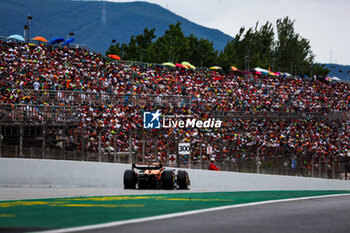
[[71, 212]]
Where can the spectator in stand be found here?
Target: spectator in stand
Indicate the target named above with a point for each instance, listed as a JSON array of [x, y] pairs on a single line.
[[114, 97], [212, 165]]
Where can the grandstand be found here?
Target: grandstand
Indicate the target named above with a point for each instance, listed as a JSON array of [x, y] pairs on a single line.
[[71, 103]]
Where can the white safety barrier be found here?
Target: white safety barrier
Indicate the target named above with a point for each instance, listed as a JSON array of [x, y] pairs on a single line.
[[34, 172]]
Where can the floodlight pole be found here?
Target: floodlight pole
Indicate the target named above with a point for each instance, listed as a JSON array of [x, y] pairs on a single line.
[[25, 31], [29, 18], [70, 34]]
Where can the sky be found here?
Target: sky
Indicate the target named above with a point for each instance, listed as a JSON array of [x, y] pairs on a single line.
[[325, 23]]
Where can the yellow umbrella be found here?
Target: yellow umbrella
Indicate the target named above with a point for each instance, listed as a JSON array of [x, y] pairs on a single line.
[[215, 68], [168, 64], [185, 63]]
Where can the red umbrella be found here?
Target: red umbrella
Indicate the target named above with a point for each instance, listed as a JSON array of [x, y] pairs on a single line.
[[115, 57], [180, 65]]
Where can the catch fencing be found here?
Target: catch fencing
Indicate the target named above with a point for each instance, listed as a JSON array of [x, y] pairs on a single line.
[[54, 125]]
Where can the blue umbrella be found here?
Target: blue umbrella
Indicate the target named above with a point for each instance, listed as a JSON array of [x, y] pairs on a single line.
[[69, 41], [56, 40], [16, 37]]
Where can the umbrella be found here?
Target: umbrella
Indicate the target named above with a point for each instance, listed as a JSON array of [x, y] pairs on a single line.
[[336, 78], [215, 68], [69, 41], [189, 65], [246, 72], [56, 40], [180, 65], [40, 38], [16, 37], [168, 64], [261, 70], [233, 68], [115, 57]]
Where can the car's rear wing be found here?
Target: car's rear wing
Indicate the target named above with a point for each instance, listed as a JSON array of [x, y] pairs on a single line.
[[147, 167]]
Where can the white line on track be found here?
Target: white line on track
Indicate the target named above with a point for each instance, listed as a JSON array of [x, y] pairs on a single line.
[[166, 216]]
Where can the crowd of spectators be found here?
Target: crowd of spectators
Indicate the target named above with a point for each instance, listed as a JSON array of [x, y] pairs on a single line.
[[112, 97]]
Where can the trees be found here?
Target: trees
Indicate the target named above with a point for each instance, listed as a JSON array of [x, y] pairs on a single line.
[[137, 48], [293, 52], [173, 46], [258, 48], [253, 47], [250, 48]]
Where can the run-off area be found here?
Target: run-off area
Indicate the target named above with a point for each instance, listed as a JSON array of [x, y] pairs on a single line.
[[82, 211]]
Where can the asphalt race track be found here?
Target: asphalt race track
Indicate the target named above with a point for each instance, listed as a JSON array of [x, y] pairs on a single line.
[[330, 214]]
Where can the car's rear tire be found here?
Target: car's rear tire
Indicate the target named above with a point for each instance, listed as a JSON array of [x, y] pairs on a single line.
[[182, 179], [168, 179], [129, 179]]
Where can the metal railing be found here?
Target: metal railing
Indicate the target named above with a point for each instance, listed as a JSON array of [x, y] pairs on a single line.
[[268, 114], [274, 165], [79, 98], [38, 114]]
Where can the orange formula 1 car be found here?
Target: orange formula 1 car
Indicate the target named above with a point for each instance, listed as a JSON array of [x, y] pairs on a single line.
[[155, 176]]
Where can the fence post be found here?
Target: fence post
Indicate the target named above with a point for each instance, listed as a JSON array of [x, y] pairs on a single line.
[[326, 168], [258, 163], [31, 153], [43, 143], [1, 137], [190, 160], [333, 168], [177, 152], [115, 148], [21, 141], [82, 149], [130, 148], [64, 142], [319, 168], [167, 151], [312, 165], [143, 148], [200, 155], [99, 146]]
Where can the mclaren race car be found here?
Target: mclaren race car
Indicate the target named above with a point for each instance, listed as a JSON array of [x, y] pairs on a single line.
[[155, 176]]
